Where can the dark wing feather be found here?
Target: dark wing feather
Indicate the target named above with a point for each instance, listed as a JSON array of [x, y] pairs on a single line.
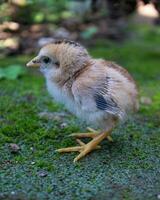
[[106, 104], [104, 100]]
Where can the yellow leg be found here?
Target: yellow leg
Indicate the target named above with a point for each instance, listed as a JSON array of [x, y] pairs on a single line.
[[92, 134], [84, 149]]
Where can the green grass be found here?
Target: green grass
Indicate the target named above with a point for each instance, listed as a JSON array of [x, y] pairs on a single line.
[[127, 169]]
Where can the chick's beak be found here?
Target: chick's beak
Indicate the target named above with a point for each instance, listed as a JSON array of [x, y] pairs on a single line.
[[35, 62]]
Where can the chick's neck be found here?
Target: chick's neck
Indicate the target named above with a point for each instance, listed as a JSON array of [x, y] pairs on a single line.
[[70, 77]]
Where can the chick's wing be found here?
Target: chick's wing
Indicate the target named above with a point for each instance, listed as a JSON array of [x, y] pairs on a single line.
[[94, 95]]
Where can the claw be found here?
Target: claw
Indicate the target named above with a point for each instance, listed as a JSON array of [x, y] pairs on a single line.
[[110, 138]]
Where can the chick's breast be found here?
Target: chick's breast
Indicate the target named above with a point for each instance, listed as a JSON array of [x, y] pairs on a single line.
[[104, 91]]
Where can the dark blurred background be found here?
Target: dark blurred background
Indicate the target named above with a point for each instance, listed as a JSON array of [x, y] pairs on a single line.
[[26, 25]]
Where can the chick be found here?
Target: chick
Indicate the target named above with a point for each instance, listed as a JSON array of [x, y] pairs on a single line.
[[97, 91]]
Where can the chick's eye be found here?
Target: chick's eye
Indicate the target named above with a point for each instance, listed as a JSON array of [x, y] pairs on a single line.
[[57, 64], [46, 60]]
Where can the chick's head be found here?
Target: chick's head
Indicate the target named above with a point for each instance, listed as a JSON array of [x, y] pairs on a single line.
[[61, 59]]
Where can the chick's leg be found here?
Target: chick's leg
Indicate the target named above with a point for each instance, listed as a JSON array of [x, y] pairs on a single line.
[[92, 134], [84, 149]]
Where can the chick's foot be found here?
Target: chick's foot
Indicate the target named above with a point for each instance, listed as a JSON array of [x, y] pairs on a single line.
[[84, 149]]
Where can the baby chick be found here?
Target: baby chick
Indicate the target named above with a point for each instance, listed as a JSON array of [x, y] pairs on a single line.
[[100, 92]]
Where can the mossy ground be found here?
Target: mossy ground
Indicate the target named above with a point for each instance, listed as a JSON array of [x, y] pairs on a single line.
[[126, 169]]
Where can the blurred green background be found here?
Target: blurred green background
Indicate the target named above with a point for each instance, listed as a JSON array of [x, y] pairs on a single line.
[[32, 125]]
